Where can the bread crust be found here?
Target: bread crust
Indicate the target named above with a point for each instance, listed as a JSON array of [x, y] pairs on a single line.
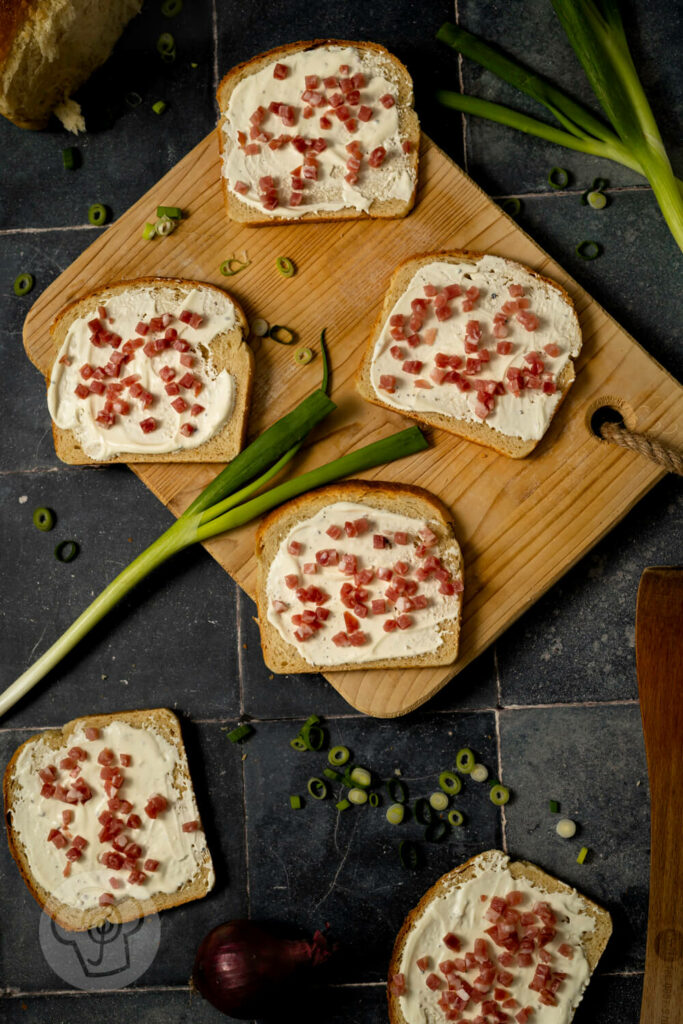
[[382, 495], [593, 946], [480, 433], [223, 446], [409, 125], [127, 909]]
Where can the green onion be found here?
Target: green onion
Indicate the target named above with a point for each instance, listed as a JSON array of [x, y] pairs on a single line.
[[330, 773], [69, 156], [554, 806], [149, 231], [408, 854], [313, 736], [397, 791], [343, 805], [339, 755], [317, 788], [166, 44], [170, 8], [374, 799], [295, 802], [450, 783], [298, 744], [558, 177], [361, 777], [436, 831], [232, 266], [23, 284], [312, 720], [259, 327], [395, 814], [512, 206], [566, 828], [499, 794], [285, 266], [583, 853], [97, 214], [159, 107], [479, 773], [283, 335], [464, 761], [174, 212], [302, 356], [439, 801], [423, 812], [357, 795], [596, 32], [456, 817], [165, 226], [44, 519], [596, 200], [66, 551], [588, 250], [239, 734], [133, 99]]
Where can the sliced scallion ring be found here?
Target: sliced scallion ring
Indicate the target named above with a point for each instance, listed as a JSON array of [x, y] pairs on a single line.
[[439, 800], [360, 777], [317, 788], [313, 736], [423, 812], [566, 828], [397, 791], [259, 327], [479, 773], [159, 107], [69, 158], [303, 356], [596, 200], [558, 177], [395, 814], [512, 206], [166, 43], [374, 799], [499, 794], [149, 231], [312, 720], [408, 854], [588, 249], [338, 755], [133, 99], [66, 551], [455, 817], [464, 761], [232, 266], [357, 795], [170, 8], [240, 734], [450, 783], [44, 519], [23, 284], [165, 226], [97, 214], [297, 743], [285, 266], [436, 831], [283, 335]]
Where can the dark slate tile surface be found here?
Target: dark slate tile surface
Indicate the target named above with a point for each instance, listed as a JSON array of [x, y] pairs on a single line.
[[592, 761]]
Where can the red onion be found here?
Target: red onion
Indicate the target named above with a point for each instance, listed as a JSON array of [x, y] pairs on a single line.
[[241, 967]]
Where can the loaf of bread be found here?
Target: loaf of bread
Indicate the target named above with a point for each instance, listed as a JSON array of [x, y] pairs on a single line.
[[150, 370], [102, 820], [475, 344], [321, 130], [48, 48], [356, 575], [496, 938]]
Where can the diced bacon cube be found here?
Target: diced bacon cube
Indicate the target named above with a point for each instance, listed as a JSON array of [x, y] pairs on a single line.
[[452, 941], [376, 158], [280, 71], [357, 638], [404, 621], [433, 981], [341, 640], [81, 391], [148, 425], [179, 404], [334, 531], [387, 382], [106, 899], [242, 187], [387, 101]]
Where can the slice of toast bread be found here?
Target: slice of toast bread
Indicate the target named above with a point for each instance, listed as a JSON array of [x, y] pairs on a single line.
[[473, 429], [408, 133], [227, 351], [283, 656], [21, 784]]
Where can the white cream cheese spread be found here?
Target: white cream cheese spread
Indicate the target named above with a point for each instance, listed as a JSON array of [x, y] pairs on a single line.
[[330, 177], [432, 384], [84, 385], [460, 913], [397, 597], [154, 763]]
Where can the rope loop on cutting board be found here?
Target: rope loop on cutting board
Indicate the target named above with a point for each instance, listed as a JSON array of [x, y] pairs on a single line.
[[643, 444]]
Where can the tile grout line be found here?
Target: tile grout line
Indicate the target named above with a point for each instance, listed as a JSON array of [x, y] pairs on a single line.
[[499, 750], [240, 650], [214, 33], [461, 86], [41, 231]]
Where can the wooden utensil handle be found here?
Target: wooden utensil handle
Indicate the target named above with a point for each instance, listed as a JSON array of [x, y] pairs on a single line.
[[659, 656]]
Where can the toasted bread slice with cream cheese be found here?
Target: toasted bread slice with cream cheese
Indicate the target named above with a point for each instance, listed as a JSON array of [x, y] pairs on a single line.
[[425, 620], [69, 890]]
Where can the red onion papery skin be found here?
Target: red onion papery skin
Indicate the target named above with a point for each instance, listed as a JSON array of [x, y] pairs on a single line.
[[241, 967]]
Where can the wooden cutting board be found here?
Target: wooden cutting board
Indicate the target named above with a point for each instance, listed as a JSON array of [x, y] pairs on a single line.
[[521, 524]]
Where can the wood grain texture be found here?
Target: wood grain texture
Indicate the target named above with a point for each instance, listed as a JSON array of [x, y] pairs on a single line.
[[521, 524], [659, 658]]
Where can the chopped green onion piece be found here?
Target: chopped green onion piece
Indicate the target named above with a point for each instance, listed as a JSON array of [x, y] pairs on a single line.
[[357, 795], [23, 284], [69, 158], [439, 801], [456, 817], [166, 43], [66, 551], [133, 99], [397, 791], [436, 831], [600, 183], [330, 773], [554, 806], [296, 803], [174, 212], [499, 794], [285, 266], [588, 250], [313, 736], [298, 744], [283, 335], [566, 828], [149, 231], [97, 214], [159, 107], [303, 356], [317, 788], [423, 812], [240, 734], [311, 720], [259, 326], [374, 799], [512, 206], [558, 177], [479, 773], [464, 761], [343, 805], [395, 814], [408, 854], [596, 200], [170, 8], [361, 776], [232, 266], [194, 64], [450, 783], [44, 519], [339, 755], [583, 853], [165, 226]]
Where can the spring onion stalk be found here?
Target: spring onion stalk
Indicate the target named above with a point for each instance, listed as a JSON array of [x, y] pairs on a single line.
[[596, 32]]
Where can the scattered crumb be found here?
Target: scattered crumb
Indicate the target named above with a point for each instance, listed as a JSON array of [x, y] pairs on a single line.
[[637, 782], [124, 682], [244, 647], [23, 499], [271, 676], [397, 771], [103, 677]]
